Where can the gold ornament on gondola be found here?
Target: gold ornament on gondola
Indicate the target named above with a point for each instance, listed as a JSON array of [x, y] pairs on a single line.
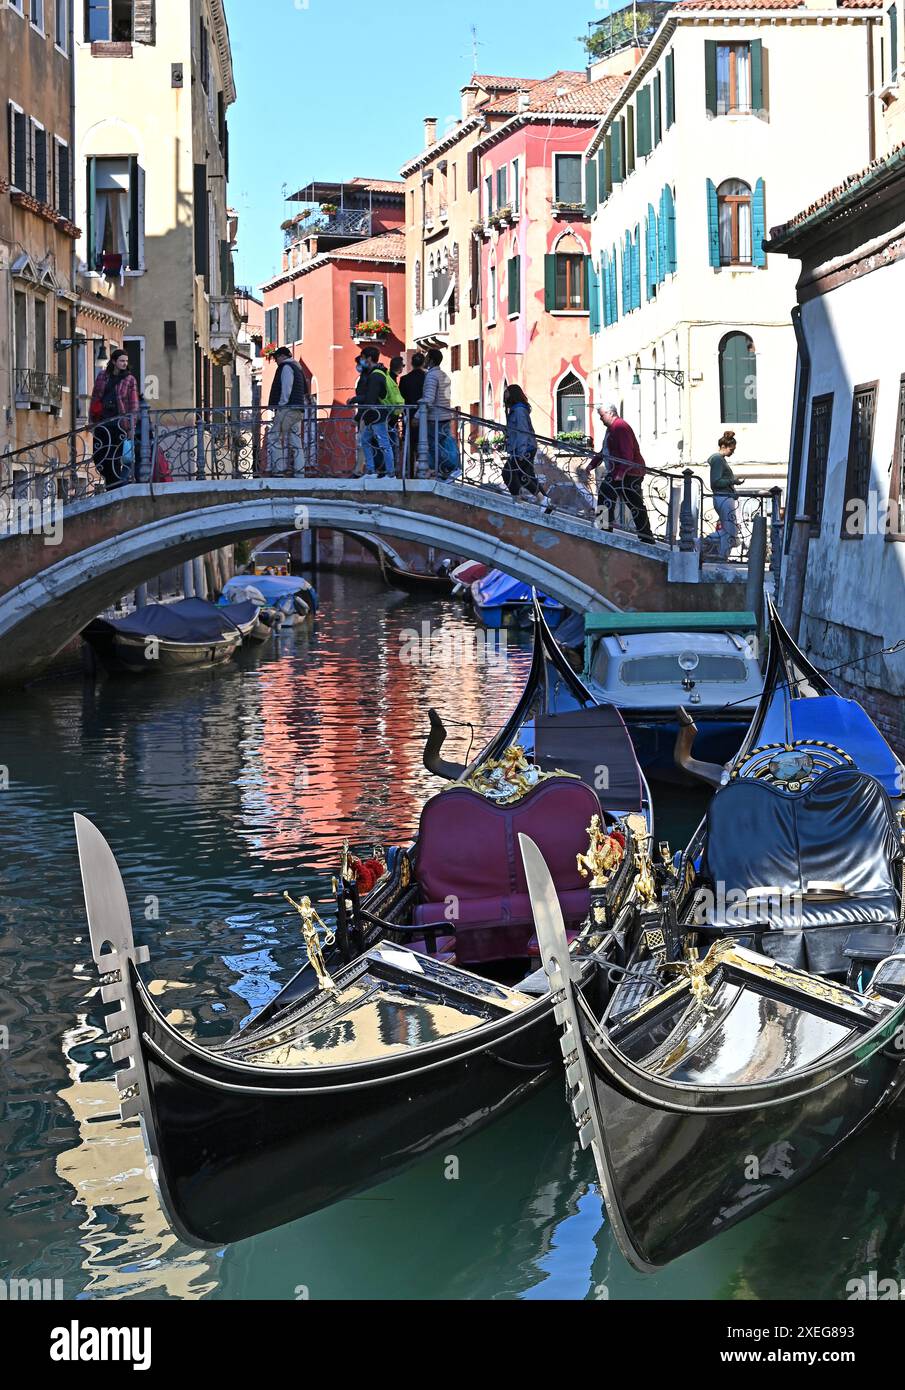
[[603, 856], [310, 923], [510, 777], [645, 885]]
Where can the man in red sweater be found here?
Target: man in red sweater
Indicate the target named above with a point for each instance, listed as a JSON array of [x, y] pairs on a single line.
[[625, 469]]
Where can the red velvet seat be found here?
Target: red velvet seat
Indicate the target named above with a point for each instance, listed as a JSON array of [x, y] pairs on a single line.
[[469, 867]]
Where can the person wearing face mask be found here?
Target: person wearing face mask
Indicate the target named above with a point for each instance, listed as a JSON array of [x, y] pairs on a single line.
[[372, 415]]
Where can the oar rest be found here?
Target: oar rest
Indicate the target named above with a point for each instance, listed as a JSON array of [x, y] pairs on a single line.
[[470, 872], [804, 870]]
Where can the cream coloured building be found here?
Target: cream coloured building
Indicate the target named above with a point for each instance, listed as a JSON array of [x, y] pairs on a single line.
[[717, 135], [154, 80]]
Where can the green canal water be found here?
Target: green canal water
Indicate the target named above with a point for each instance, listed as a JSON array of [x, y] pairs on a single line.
[[218, 792]]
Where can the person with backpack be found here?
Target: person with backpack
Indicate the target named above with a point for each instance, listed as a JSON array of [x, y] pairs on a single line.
[[521, 446], [375, 394]]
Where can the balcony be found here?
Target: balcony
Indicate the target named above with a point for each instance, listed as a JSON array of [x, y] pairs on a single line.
[[345, 222], [38, 390], [226, 325], [431, 326]]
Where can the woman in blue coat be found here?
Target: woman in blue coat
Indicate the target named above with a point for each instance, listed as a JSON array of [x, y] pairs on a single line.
[[521, 446]]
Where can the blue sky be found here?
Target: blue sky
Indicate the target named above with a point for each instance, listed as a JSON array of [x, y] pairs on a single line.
[[333, 88]]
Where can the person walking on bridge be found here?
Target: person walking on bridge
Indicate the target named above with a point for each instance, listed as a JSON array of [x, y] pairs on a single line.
[[521, 447], [113, 412], [288, 398], [625, 470], [724, 484]]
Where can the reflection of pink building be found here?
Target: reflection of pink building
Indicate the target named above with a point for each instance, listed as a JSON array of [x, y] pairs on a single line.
[[535, 248]]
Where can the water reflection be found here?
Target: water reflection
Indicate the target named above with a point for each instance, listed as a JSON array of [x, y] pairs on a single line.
[[218, 791]]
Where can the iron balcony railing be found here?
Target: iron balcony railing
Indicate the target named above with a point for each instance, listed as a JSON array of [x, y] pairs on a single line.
[[350, 222], [335, 442], [35, 388]]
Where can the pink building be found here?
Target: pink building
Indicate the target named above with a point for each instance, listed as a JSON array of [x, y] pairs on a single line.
[[535, 249]]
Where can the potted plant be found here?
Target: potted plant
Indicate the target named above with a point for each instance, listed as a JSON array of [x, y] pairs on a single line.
[[371, 331], [328, 209], [268, 350]]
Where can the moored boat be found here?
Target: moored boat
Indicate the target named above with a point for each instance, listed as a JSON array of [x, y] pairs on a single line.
[[757, 1021], [501, 601], [418, 582], [169, 637], [420, 1016]]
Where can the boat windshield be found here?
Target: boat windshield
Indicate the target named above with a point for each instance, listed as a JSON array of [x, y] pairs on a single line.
[[666, 668]]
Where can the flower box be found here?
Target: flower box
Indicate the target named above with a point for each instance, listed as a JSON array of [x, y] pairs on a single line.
[[371, 331]]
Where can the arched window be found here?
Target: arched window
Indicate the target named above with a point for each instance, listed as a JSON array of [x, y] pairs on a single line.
[[490, 400], [419, 303], [571, 406], [738, 380], [733, 199]]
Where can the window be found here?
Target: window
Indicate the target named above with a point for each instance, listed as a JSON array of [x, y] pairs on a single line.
[[571, 286], [567, 180], [896, 523], [474, 352], [116, 215], [860, 452], [271, 326], [63, 353], [488, 197], [16, 5], [738, 380], [734, 211], [893, 43], [502, 182], [204, 56], [367, 304], [18, 148], [455, 358], [734, 78], [491, 295], [36, 11], [40, 334], [818, 453], [515, 286], [40, 179], [134, 348], [108, 21], [571, 407], [61, 24], [292, 321], [20, 339], [62, 178]]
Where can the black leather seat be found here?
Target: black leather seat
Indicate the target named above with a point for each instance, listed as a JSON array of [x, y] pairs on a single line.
[[841, 831]]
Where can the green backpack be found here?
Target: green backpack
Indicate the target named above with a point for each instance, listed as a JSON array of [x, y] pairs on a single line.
[[391, 393]]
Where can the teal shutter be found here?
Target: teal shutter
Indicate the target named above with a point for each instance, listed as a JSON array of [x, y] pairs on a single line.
[[758, 225], [590, 184], [662, 241], [549, 282], [643, 105], [713, 223], [594, 297], [658, 115], [607, 148], [629, 139], [636, 267], [757, 75], [614, 283], [672, 260], [602, 191], [586, 284], [653, 253], [710, 75], [515, 285], [670, 88]]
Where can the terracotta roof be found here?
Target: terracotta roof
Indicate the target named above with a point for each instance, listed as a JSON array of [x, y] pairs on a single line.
[[389, 248], [594, 98], [773, 4], [378, 185], [540, 94], [501, 84], [851, 189]]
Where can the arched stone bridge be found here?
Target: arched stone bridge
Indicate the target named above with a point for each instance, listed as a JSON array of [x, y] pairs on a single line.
[[111, 543]]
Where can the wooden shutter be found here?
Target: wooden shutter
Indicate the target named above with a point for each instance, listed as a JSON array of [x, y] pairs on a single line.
[[471, 167], [39, 180], [515, 284], [710, 75], [758, 225], [590, 184], [662, 239], [670, 88], [653, 253], [64, 190], [603, 191], [135, 214], [383, 311], [672, 260], [618, 144], [629, 139], [608, 160], [658, 115], [713, 224], [474, 261], [605, 288], [143, 18], [757, 74], [91, 229], [594, 297], [549, 282], [585, 284], [353, 309], [636, 267], [199, 209], [643, 117]]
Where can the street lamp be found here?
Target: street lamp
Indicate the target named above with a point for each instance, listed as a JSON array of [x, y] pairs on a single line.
[[676, 377]]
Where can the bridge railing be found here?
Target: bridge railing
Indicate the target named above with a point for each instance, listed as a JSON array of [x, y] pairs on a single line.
[[159, 446]]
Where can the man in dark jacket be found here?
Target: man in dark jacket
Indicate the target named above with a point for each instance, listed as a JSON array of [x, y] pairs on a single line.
[[371, 415], [288, 398], [412, 387], [625, 469]]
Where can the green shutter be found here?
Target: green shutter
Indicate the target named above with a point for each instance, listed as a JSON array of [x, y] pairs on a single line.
[[134, 187], [710, 75], [893, 43], [590, 184], [585, 289], [629, 139], [713, 223], [672, 260], [615, 155], [594, 297], [662, 238], [636, 267], [92, 205], [549, 282], [757, 74], [643, 110], [614, 286], [670, 88], [658, 116], [515, 285], [608, 160], [758, 225]]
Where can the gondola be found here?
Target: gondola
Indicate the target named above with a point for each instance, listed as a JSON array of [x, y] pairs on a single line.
[[425, 1018], [171, 637], [421, 584], [756, 1019]]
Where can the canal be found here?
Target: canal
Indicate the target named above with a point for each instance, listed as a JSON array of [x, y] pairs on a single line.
[[219, 791]]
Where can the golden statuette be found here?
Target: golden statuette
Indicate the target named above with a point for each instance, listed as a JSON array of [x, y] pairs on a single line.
[[510, 777], [603, 856], [310, 923], [645, 886]]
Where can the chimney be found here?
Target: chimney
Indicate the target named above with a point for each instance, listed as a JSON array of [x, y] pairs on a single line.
[[430, 131]]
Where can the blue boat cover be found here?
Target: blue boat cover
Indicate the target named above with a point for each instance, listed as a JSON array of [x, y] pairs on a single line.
[[497, 589], [272, 586], [190, 620], [842, 723]]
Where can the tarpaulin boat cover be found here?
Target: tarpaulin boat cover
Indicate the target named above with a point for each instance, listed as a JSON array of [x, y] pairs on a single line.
[[840, 722], [497, 588], [272, 587], [594, 744], [191, 620]]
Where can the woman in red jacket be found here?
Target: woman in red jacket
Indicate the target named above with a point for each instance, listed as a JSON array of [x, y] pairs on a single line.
[[113, 413]]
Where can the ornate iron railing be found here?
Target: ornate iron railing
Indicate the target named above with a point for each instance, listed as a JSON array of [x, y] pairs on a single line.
[[38, 388], [160, 446], [351, 222]]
